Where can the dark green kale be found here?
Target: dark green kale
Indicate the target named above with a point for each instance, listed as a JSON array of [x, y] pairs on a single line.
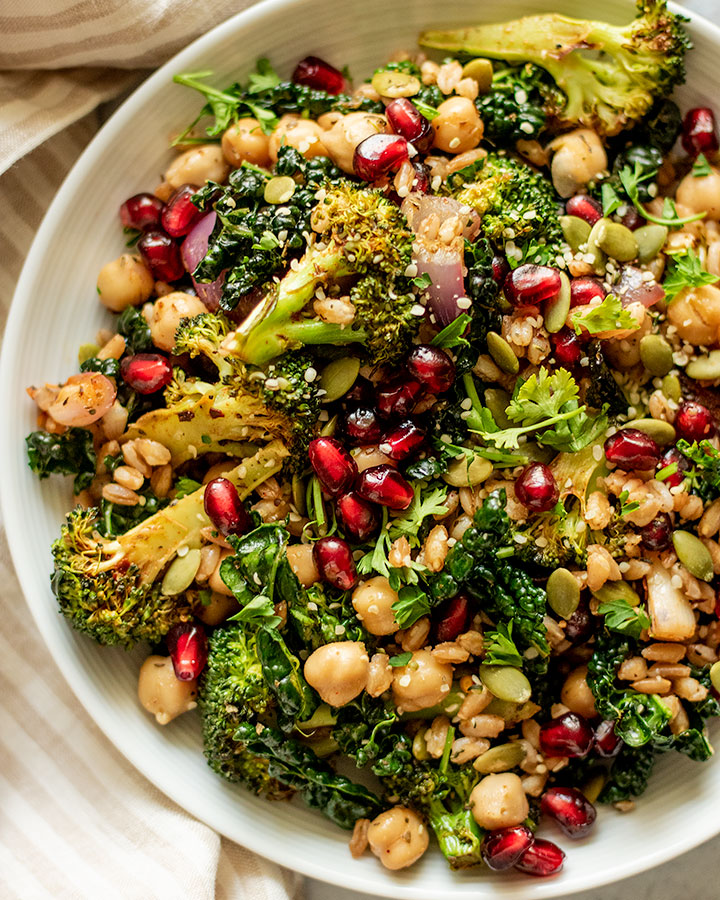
[[513, 109], [318, 619], [70, 453], [629, 775], [133, 326], [115, 519], [705, 473], [660, 127], [369, 732], [110, 368], [601, 390]]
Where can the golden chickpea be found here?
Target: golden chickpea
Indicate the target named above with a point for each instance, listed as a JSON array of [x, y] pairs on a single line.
[[579, 157], [701, 194], [217, 610], [373, 600], [197, 165], [215, 582], [458, 126], [347, 132], [245, 141], [126, 281], [302, 562], [576, 694], [499, 801], [167, 313], [338, 672], [423, 682], [695, 313], [161, 693], [398, 837], [304, 135]]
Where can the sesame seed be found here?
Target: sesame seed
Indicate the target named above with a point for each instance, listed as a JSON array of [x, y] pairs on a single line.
[[455, 142], [526, 127], [463, 303], [310, 374]]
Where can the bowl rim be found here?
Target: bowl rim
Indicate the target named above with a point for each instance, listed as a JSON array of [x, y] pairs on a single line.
[[80, 685]]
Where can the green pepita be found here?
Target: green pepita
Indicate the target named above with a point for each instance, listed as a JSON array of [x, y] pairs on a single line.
[[616, 240], [617, 590], [500, 759], [467, 472], [593, 249], [502, 353], [661, 432], [693, 554], [650, 240], [506, 683], [419, 746], [705, 368], [395, 84], [715, 675], [279, 189], [87, 351], [563, 592], [338, 377], [479, 70], [330, 427], [576, 231], [656, 354], [557, 309], [181, 573], [672, 388], [594, 784], [497, 401]]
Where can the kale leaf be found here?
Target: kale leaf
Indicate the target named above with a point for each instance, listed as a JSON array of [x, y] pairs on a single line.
[[70, 453]]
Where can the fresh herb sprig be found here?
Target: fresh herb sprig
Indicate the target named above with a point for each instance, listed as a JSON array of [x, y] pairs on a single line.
[[685, 270]]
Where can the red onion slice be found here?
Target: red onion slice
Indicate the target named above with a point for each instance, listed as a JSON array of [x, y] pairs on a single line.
[[193, 251], [632, 288], [444, 264]]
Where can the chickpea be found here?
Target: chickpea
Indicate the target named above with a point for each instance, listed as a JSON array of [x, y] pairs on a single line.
[[701, 194], [423, 682], [126, 281], [245, 141], [167, 313], [695, 313], [458, 126], [198, 165], [373, 600], [579, 157], [576, 694], [398, 837], [161, 693], [347, 132], [302, 134], [220, 608], [215, 582], [338, 672], [499, 801], [302, 562]]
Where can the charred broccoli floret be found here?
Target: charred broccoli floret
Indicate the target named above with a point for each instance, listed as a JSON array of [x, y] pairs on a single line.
[[203, 336], [553, 539]]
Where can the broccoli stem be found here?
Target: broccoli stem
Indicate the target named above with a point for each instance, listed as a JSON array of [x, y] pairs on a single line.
[[458, 835]]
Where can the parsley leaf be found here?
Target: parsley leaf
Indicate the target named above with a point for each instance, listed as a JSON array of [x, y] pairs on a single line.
[[610, 200], [263, 78], [402, 659], [185, 486], [631, 180], [701, 167], [412, 604], [623, 618], [260, 610], [608, 316], [501, 649], [425, 503], [542, 396], [684, 270], [452, 334], [223, 106]]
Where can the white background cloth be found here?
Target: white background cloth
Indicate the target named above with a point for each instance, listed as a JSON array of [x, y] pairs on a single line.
[[76, 820]]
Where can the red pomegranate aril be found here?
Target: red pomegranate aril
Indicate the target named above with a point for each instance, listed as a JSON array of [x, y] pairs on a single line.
[[335, 562], [584, 207], [188, 648], [406, 120], [542, 858], [536, 488], [674, 457], [567, 735], [452, 618], [162, 254], [225, 509], [607, 743], [363, 426], [433, 367], [566, 347], [398, 396], [570, 808], [359, 518], [694, 422], [378, 155], [180, 213], [500, 269], [529, 285], [146, 373], [403, 441], [632, 449], [141, 212], [421, 181], [632, 219], [580, 625], [584, 291], [657, 535], [699, 134], [316, 73], [335, 468], [503, 848], [386, 486]]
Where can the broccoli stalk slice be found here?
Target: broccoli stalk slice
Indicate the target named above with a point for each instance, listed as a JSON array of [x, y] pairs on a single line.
[[458, 834]]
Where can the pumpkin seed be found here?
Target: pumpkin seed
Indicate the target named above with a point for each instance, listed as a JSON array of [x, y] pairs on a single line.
[[672, 388], [329, 428], [598, 257], [395, 84], [715, 675], [576, 231], [181, 573], [464, 473], [479, 70], [279, 189], [705, 368], [338, 377], [419, 746], [87, 351], [563, 592], [616, 240], [506, 683], [661, 432], [298, 494], [650, 240], [500, 758], [502, 708], [594, 784], [656, 354], [693, 554], [502, 353], [617, 590], [497, 401], [557, 309]]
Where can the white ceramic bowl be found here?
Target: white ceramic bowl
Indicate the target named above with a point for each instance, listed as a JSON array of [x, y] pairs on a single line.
[[55, 309]]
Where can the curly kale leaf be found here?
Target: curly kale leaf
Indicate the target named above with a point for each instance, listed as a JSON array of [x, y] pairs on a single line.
[[133, 326], [513, 109], [369, 732], [70, 453], [317, 619], [629, 774], [115, 519]]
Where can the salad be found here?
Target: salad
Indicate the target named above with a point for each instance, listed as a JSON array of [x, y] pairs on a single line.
[[401, 450]]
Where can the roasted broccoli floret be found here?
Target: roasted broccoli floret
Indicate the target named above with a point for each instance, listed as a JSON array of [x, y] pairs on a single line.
[[203, 336], [553, 539], [609, 76]]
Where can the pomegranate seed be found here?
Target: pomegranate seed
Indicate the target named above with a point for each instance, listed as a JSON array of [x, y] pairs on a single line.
[[335, 562], [433, 367], [379, 155], [162, 254], [225, 509], [567, 349], [399, 396], [535, 487], [180, 214], [607, 743], [500, 269], [541, 858], [452, 618], [633, 220], [386, 486], [403, 440], [316, 73], [567, 735], [141, 212], [584, 207], [361, 392], [503, 848], [694, 422], [571, 809], [585, 290], [657, 535], [406, 120], [358, 517], [363, 426], [188, 648], [146, 373], [682, 464], [698, 131], [333, 465], [529, 285], [421, 181], [632, 449], [580, 626]]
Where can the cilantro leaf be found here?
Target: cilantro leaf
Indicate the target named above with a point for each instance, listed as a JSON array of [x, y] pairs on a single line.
[[263, 78], [259, 610], [425, 503], [701, 167], [631, 180], [684, 270], [542, 396], [623, 618], [185, 486], [610, 200], [501, 649], [608, 316], [412, 604], [452, 334], [402, 659]]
